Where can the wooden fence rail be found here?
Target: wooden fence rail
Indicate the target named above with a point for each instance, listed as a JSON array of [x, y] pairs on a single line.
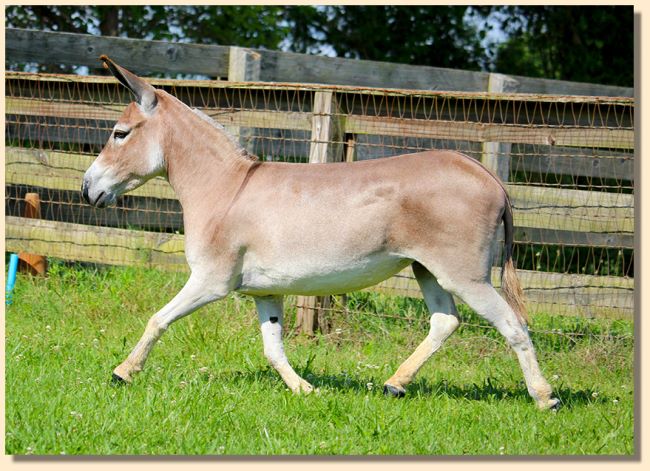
[[55, 123], [567, 294], [147, 57], [608, 218]]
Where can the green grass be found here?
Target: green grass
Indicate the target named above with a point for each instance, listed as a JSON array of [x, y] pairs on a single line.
[[208, 390]]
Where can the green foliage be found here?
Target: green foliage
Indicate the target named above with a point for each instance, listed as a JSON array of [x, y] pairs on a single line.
[[579, 43], [208, 390], [419, 35], [592, 44], [253, 26], [423, 35]]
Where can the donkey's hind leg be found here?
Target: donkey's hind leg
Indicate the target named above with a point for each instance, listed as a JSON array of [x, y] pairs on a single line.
[[484, 299], [444, 321]]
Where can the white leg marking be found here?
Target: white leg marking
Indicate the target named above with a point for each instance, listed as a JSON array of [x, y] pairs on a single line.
[[270, 312], [196, 293]]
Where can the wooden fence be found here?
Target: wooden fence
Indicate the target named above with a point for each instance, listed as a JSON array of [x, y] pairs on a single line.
[[567, 161], [239, 64]]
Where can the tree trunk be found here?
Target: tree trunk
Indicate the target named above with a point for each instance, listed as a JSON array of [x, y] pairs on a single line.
[[109, 24]]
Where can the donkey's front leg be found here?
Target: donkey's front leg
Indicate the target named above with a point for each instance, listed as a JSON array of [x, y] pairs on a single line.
[[197, 292], [269, 310]]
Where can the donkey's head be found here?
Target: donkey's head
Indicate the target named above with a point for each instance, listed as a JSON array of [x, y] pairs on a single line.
[[134, 152]]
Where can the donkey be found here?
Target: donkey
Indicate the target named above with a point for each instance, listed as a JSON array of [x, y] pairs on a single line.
[[269, 229]]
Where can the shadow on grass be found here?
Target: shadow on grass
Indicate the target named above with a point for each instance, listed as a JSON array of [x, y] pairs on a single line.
[[341, 382], [490, 390]]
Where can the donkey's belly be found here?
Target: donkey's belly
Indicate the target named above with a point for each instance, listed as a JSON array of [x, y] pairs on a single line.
[[320, 279]]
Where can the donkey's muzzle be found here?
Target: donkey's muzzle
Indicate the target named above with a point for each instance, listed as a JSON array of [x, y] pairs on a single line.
[[100, 200]]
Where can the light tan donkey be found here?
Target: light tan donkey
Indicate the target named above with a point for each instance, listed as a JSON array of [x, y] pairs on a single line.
[[270, 229]]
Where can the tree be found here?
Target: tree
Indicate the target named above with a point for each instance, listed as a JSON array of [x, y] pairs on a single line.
[[424, 35], [248, 26], [437, 36], [578, 43]]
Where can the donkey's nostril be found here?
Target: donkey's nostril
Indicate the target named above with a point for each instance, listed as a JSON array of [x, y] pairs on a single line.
[[84, 192], [100, 202]]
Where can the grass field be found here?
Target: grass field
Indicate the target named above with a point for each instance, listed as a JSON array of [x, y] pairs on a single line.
[[208, 390]]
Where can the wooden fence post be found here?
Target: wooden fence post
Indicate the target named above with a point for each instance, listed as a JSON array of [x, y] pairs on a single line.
[[326, 129], [496, 155], [350, 147], [326, 146], [244, 65], [32, 263]]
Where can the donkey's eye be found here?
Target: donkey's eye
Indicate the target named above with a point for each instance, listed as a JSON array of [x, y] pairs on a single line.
[[120, 134]]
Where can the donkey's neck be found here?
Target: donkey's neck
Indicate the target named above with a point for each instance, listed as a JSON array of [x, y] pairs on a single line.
[[233, 145], [205, 164]]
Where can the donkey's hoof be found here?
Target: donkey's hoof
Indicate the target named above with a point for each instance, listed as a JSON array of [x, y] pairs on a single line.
[[118, 380], [393, 391], [304, 388], [552, 404]]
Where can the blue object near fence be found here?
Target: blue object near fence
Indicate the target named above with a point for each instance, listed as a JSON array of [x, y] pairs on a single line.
[[11, 278]]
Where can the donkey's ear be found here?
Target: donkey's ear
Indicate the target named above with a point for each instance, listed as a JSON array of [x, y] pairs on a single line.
[[144, 93]]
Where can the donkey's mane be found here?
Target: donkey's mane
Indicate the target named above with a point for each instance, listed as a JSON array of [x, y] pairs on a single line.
[[240, 150]]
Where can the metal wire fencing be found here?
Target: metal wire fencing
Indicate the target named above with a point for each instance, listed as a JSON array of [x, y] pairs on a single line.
[[568, 165]]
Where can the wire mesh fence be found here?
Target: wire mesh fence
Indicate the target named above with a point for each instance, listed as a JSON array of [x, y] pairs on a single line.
[[568, 165]]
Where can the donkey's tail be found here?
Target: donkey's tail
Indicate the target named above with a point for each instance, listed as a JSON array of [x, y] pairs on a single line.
[[510, 286]]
